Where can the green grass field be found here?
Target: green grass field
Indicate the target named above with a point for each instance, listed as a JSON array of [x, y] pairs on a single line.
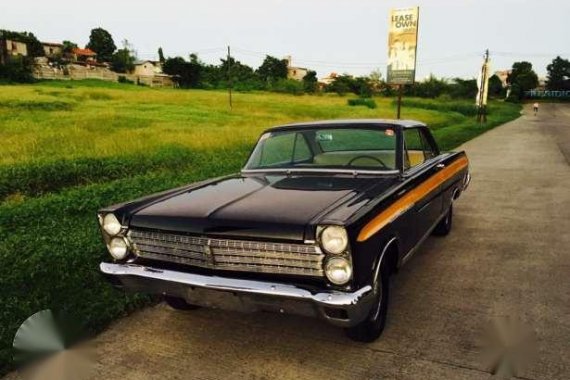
[[69, 148]]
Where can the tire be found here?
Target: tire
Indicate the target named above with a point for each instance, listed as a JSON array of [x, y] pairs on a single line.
[[179, 303], [444, 226], [372, 327]]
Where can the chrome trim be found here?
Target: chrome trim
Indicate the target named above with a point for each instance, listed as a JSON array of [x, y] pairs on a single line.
[[467, 181], [233, 255], [384, 250], [377, 276], [306, 170], [357, 304]]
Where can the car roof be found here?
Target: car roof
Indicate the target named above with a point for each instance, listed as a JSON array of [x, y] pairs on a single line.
[[350, 122]]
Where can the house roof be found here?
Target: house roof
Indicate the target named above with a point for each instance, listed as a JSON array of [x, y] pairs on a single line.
[[84, 52]]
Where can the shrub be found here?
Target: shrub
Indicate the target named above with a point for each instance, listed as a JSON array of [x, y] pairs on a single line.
[[37, 178], [465, 108], [123, 79], [51, 249], [288, 86], [16, 70], [366, 102]]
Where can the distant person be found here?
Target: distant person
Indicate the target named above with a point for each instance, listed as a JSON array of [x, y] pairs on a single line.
[[535, 107]]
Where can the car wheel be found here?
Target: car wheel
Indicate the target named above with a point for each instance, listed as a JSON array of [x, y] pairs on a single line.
[[371, 328], [444, 226], [179, 303]]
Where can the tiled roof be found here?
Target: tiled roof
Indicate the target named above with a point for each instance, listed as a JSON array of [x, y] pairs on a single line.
[[84, 52]]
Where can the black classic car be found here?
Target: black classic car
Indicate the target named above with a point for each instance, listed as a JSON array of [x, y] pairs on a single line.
[[316, 222]]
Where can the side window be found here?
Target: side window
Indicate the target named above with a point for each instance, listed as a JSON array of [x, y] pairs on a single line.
[[414, 148], [301, 150], [429, 150], [418, 147]]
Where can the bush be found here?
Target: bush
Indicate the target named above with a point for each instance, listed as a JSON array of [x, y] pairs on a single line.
[[465, 108], [37, 178], [288, 86], [16, 70], [366, 102], [51, 249], [123, 79]]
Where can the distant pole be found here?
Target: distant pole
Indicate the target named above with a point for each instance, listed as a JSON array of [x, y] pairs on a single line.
[[230, 77], [482, 114], [400, 87]]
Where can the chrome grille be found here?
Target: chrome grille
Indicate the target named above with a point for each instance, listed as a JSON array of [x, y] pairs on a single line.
[[235, 255]]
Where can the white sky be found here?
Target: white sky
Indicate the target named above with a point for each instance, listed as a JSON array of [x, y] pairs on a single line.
[[325, 35]]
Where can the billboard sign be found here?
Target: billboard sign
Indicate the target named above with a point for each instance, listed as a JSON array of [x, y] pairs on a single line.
[[402, 45]]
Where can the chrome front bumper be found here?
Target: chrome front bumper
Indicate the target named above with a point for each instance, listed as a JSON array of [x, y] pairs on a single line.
[[339, 308]]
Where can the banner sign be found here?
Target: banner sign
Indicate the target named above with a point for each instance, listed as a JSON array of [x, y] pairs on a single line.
[[483, 84], [402, 45]]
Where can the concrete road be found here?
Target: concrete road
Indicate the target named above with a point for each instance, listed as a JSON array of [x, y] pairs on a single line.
[[508, 255]]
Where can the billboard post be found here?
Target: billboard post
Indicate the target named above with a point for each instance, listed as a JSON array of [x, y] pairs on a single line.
[[402, 48]]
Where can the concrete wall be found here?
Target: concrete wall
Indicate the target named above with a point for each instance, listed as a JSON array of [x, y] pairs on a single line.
[[78, 72]]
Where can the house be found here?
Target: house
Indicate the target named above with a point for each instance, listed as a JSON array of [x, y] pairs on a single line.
[[296, 73], [11, 48], [328, 79], [84, 55], [147, 68], [52, 50]]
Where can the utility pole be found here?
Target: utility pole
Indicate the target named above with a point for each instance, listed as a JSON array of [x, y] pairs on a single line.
[[482, 113], [230, 77], [400, 89]]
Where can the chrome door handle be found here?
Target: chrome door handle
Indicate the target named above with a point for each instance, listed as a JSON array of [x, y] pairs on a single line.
[[440, 166]]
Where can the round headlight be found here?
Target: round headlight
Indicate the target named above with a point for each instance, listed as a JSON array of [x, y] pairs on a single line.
[[118, 248], [111, 224], [338, 270], [334, 239]]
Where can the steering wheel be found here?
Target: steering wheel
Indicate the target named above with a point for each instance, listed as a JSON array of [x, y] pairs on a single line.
[[370, 158]]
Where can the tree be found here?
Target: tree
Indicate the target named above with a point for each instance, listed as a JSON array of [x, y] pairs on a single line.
[[462, 88], [161, 55], [521, 79], [558, 77], [376, 82], [101, 42], [495, 86], [243, 77], [187, 74], [123, 61], [432, 87], [68, 46], [310, 82], [272, 69]]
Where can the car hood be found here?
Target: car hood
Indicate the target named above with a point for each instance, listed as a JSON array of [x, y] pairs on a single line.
[[271, 207]]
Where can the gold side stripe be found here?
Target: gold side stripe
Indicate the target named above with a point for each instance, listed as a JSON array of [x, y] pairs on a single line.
[[410, 199]]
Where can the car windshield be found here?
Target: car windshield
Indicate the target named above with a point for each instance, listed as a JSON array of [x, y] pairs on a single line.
[[351, 148]]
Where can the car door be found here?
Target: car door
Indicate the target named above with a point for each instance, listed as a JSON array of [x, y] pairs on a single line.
[[420, 166]]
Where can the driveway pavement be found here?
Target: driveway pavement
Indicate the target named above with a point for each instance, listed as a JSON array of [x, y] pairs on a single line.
[[508, 255]]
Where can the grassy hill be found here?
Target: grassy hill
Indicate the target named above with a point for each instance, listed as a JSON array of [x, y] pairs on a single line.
[[68, 148]]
